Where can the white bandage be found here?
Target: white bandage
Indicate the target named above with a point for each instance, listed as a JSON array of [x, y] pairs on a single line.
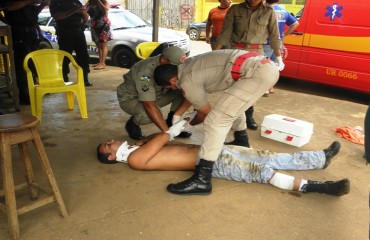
[[282, 181]]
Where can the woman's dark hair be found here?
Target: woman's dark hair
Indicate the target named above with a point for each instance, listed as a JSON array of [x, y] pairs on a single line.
[[103, 158], [163, 74]]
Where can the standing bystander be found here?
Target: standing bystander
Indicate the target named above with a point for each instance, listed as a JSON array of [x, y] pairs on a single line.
[[100, 28], [22, 16], [71, 16], [247, 26], [215, 20], [283, 18]]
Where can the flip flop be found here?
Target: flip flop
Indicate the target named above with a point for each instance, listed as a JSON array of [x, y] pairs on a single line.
[[94, 65]]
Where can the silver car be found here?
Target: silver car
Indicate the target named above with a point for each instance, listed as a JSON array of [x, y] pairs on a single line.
[[128, 30]]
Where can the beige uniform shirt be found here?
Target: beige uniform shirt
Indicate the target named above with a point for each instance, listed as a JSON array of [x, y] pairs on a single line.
[[211, 72], [242, 25]]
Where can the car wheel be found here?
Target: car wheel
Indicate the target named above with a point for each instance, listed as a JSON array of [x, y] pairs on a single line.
[[124, 58], [45, 45], [194, 34]]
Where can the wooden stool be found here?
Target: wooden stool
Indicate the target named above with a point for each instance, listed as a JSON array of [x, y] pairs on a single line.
[[18, 129]]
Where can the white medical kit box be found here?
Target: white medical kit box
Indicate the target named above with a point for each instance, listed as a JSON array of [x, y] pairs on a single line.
[[286, 130]]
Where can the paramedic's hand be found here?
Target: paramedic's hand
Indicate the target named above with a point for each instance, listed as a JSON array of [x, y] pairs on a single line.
[[280, 63], [175, 119], [176, 129], [190, 116]]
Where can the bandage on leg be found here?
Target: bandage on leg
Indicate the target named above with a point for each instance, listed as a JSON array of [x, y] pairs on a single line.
[[282, 181]]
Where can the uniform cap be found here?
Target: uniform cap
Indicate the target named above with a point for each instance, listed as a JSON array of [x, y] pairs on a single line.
[[175, 55]]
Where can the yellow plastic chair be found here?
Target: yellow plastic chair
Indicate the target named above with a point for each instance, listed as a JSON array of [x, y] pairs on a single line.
[[144, 49], [49, 64]]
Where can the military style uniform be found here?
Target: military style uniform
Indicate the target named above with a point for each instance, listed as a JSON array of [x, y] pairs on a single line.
[[23, 23], [71, 37], [139, 86], [211, 72], [249, 30]]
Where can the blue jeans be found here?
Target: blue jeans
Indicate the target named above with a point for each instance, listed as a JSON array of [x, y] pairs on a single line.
[[269, 52], [253, 165]]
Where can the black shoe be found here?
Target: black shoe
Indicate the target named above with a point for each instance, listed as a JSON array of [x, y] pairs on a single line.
[[133, 130], [199, 183], [184, 134], [330, 152], [88, 83], [240, 139], [337, 188], [251, 124]]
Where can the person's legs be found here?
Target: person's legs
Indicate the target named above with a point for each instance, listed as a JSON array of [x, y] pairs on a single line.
[[284, 181], [103, 52], [82, 56], [64, 42], [231, 166], [304, 160], [216, 126]]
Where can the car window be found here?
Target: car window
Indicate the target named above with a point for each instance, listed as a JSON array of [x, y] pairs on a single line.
[[43, 19], [52, 23], [125, 19]]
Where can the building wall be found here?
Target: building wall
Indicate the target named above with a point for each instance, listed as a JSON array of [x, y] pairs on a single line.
[[175, 14]]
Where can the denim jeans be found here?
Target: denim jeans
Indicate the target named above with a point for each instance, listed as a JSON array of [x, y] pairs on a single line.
[[269, 52], [253, 165]]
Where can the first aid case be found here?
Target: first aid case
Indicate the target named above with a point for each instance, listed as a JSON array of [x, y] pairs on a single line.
[[286, 130]]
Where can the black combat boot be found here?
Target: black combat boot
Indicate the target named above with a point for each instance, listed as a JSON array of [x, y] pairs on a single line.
[[183, 134], [199, 183], [251, 124], [240, 139], [337, 188], [133, 130], [330, 152]]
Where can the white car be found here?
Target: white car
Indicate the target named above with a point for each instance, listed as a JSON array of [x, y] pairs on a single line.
[[128, 30]]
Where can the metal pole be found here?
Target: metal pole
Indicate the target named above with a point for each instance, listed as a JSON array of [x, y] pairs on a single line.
[[155, 20]]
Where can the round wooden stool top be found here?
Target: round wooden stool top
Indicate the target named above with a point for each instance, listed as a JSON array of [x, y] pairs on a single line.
[[17, 121]]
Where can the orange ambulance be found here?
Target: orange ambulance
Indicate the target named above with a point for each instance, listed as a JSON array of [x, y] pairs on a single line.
[[331, 44]]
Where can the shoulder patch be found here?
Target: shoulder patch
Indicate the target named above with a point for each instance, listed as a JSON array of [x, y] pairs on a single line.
[[145, 78]]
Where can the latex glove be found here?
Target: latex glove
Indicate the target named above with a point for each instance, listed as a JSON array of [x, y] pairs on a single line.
[[191, 115], [175, 119], [279, 63], [176, 129]]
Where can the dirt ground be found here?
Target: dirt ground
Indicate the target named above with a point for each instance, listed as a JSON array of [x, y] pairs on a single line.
[[115, 202]]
